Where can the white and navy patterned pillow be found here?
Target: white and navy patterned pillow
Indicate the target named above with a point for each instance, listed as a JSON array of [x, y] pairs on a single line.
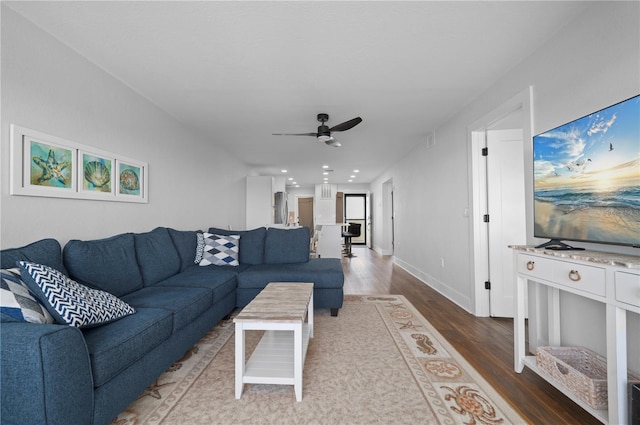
[[220, 250], [70, 302], [17, 302], [199, 247]]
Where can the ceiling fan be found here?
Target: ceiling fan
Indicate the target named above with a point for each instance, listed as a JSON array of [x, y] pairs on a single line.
[[324, 132]]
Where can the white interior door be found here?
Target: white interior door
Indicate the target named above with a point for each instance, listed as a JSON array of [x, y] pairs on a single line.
[[507, 214]]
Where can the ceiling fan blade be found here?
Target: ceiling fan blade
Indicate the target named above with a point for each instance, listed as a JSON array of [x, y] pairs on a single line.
[[295, 134], [346, 125]]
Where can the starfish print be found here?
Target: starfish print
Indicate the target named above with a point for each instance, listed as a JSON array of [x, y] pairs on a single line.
[[396, 306], [51, 168]]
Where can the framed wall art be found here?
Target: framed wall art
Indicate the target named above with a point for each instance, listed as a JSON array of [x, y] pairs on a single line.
[[96, 174], [45, 165], [131, 179]]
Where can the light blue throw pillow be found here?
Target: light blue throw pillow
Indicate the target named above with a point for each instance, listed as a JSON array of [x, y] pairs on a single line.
[[17, 302], [217, 250], [70, 302]]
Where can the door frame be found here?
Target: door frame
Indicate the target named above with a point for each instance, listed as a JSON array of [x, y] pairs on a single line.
[[388, 219], [364, 230], [478, 183]]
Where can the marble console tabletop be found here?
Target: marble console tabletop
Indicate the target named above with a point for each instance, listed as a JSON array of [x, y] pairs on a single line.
[[598, 257]]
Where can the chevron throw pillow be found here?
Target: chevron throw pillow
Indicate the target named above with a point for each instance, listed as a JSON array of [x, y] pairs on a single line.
[[219, 250], [70, 302], [17, 302]]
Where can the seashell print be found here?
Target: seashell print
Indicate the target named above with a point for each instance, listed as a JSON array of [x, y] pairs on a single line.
[[129, 180], [96, 173]]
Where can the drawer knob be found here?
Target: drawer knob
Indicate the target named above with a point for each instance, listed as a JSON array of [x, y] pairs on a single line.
[[531, 265], [574, 275]]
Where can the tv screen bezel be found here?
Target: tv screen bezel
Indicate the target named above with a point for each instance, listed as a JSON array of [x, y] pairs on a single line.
[[555, 240]]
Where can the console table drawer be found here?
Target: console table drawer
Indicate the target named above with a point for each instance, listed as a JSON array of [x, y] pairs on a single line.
[[628, 288], [535, 266], [579, 276]]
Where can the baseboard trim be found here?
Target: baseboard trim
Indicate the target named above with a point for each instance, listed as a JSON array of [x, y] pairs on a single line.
[[454, 296]]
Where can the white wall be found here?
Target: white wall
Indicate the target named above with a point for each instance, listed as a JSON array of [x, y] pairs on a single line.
[[590, 64], [193, 184]]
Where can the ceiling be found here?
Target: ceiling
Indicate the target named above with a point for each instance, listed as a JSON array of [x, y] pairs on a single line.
[[239, 71]]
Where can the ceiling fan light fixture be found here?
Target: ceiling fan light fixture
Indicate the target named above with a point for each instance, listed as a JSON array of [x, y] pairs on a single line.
[[329, 141], [333, 143]]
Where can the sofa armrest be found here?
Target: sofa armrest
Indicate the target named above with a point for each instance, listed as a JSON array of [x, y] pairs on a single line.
[[46, 375]]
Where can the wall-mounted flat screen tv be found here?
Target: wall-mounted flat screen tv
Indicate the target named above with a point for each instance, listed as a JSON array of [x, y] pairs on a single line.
[[587, 178]]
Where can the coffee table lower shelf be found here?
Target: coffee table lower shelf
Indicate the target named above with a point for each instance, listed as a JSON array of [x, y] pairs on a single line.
[[274, 359], [272, 362]]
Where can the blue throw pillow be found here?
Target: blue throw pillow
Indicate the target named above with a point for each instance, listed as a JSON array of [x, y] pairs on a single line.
[[70, 302], [17, 302]]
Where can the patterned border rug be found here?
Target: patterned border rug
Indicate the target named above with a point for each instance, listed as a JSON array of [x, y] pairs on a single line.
[[378, 362]]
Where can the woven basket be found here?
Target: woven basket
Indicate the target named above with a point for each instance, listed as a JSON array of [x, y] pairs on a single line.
[[580, 370]]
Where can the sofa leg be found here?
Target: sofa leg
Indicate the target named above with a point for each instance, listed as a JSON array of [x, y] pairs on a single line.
[[334, 312]]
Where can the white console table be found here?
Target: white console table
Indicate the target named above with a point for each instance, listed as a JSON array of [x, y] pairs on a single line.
[[612, 279]]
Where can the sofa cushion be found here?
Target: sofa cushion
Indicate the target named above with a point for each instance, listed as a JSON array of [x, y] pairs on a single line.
[[45, 251], [217, 250], [186, 306], [251, 243], [70, 302], [284, 246], [221, 280], [185, 243], [17, 302], [324, 273], [116, 346], [108, 264], [157, 256]]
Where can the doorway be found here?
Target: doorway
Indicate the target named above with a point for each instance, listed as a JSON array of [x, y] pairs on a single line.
[[499, 192], [305, 213], [355, 211]]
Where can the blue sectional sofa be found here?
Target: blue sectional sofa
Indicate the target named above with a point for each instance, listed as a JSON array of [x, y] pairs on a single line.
[[61, 374]]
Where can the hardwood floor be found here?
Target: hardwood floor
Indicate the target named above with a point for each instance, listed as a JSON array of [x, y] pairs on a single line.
[[487, 343]]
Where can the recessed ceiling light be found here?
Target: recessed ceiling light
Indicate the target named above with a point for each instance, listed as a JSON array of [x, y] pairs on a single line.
[[326, 178], [356, 171], [290, 178], [325, 166], [297, 185], [325, 173], [284, 171], [350, 180], [294, 183], [353, 177]]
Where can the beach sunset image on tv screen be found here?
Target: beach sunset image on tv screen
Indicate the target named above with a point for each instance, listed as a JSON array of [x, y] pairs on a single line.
[[587, 178]]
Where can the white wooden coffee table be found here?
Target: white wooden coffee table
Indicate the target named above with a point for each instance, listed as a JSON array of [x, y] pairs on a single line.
[[280, 309]]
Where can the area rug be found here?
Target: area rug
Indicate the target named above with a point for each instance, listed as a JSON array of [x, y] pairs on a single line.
[[378, 362]]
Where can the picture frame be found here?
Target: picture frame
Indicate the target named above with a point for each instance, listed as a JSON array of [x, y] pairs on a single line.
[[50, 166], [96, 171], [131, 180], [41, 165]]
